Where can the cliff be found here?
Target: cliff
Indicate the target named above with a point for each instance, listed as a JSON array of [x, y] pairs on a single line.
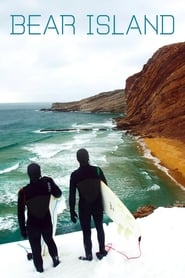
[[113, 101], [155, 97]]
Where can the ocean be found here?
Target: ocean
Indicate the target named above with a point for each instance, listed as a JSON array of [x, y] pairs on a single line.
[[130, 170]]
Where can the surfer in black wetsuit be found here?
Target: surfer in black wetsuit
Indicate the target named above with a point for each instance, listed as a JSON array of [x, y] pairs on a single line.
[[36, 197], [87, 180]]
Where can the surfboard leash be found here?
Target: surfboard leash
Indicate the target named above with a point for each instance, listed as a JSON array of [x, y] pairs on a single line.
[[29, 254], [110, 247]]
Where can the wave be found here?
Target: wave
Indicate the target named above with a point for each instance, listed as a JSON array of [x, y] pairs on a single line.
[[146, 175], [156, 161], [7, 200], [45, 150], [8, 146], [9, 169], [77, 129], [8, 223], [154, 187], [148, 154], [94, 125], [63, 151]]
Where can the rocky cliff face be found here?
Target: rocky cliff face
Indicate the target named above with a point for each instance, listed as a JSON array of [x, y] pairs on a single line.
[[113, 101], [155, 97]]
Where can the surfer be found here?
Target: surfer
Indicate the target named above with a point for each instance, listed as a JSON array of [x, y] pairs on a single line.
[[86, 179], [36, 197]]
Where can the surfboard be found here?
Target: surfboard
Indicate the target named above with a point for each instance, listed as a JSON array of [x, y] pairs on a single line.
[[56, 206], [119, 213]]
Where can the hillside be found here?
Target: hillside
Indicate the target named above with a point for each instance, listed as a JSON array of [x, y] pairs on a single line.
[[112, 101]]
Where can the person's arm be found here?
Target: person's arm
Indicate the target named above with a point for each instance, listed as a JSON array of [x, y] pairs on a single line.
[[101, 175], [72, 200], [52, 187], [21, 212]]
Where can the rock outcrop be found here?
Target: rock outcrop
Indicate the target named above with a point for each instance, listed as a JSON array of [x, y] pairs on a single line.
[[144, 211], [155, 97], [113, 101], [147, 210]]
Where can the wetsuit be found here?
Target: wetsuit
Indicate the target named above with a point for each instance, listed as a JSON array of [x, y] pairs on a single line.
[[36, 197], [86, 179]]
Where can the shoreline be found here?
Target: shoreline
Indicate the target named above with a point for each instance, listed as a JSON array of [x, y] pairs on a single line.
[[171, 154]]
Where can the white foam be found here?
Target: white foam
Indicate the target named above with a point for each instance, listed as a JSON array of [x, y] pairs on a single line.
[[154, 187], [10, 169], [63, 181], [8, 223], [8, 197], [148, 154], [95, 125], [146, 175], [81, 140], [156, 161], [47, 150]]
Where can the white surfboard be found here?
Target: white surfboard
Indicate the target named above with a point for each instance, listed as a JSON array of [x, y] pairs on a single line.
[[119, 213], [56, 206]]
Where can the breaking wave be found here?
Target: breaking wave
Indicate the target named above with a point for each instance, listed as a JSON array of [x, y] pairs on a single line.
[[9, 169]]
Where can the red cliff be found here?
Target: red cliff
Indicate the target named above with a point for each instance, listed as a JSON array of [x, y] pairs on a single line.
[[155, 97]]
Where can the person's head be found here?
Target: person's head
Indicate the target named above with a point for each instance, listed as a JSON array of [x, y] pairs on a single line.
[[34, 171], [82, 156]]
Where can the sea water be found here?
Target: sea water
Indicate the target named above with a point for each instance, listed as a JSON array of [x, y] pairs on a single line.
[[130, 173]]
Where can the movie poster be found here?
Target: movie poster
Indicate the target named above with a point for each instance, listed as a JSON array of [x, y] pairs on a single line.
[[64, 67]]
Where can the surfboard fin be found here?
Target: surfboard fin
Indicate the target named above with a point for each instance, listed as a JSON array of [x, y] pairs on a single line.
[[120, 229]]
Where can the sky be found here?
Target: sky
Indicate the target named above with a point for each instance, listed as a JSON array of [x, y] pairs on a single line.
[[58, 51], [162, 252]]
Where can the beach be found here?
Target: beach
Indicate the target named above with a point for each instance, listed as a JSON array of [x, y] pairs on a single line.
[[171, 153]]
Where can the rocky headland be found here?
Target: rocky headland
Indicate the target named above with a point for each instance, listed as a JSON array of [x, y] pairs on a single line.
[[112, 101]]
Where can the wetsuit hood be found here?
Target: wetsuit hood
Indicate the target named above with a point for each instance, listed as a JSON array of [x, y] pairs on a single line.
[[34, 171], [82, 157]]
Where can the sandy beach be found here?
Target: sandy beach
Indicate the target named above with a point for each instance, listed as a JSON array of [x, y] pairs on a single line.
[[171, 153]]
